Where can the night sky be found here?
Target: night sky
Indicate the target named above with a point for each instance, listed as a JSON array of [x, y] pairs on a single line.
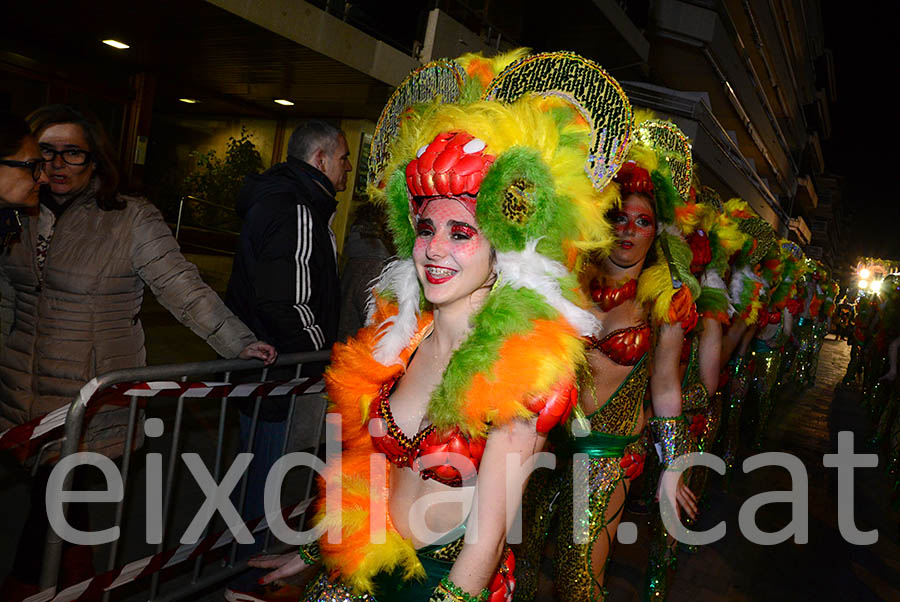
[[866, 122]]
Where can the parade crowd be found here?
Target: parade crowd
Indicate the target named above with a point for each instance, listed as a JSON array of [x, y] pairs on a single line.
[[562, 281]]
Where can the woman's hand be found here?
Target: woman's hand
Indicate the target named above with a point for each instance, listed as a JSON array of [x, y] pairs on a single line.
[[678, 495], [285, 565], [686, 499], [260, 350]]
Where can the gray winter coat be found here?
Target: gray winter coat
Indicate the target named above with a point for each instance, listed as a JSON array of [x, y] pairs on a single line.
[[81, 319]]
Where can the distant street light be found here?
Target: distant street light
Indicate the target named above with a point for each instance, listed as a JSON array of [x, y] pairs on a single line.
[[116, 44]]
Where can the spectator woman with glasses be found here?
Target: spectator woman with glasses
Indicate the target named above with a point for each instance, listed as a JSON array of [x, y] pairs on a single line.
[[21, 173], [71, 295]]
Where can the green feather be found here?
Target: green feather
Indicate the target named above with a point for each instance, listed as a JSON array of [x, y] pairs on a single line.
[[712, 300], [398, 213], [545, 213], [666, 197], [679, 256], [506, 312]]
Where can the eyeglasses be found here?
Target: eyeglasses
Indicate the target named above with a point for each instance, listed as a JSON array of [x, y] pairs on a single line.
[[36, 166], [72, 156]]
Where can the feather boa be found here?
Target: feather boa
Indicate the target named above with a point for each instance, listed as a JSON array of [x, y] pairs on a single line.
[[530, 364], [529, 269], [400, 280], [745, 290], [713, 301]]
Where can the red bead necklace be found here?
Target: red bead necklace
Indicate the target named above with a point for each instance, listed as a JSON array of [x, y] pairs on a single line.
[[610, 296]]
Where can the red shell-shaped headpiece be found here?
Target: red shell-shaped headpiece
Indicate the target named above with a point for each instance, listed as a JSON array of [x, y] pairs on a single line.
[[452, 165], [634, 179]]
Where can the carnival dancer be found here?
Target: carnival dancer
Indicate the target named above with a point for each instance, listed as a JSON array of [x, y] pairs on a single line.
[[830, 291], [874, 358], [714, 237], [745, 287], [806, 327], [860, 337], [471, 353], [671, 273], [631, 286], [779, 269]]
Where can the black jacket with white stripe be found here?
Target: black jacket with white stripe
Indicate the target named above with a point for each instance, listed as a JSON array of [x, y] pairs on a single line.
[[284, 283]]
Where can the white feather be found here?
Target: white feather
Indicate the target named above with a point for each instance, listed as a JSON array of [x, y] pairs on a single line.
[[671, 230], [737, 283], [529, 269], [395, 333], [712, 279]]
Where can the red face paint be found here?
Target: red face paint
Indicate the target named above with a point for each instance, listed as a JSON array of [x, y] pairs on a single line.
[[635, 228]]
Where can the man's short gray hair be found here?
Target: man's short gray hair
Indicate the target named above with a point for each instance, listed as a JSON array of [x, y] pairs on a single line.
[[312, 136]]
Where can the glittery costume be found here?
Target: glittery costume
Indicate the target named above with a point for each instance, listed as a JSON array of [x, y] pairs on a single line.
[[745, 289], [741, 368], [800, 364], [485, 133], [551, 497], [602, 452], [766, 356], [702, 411]]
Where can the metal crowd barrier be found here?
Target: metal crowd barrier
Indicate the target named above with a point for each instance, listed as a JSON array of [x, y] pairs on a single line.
[[313, 405]]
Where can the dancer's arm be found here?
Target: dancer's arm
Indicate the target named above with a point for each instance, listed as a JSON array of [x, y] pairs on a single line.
[[788, 318], [710, 354], [498, 493], [668, 424], [732, 339]]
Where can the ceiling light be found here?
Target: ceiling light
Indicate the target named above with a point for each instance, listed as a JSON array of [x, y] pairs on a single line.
[[864, 273], [190, 101], [863, 285], [116, 44], [284, 102]]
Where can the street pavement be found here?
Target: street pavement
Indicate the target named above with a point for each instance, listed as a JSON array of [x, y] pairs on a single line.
[[806, 425]]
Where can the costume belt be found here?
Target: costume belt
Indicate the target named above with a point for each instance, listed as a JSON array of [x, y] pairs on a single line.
[[598, 445]]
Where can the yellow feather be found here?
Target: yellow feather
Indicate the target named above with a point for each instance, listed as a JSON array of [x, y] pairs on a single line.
[[525, 123], [496, 63], [655, 289]]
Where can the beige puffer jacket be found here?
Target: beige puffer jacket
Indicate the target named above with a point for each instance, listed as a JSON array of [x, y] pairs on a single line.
[[82, 319]]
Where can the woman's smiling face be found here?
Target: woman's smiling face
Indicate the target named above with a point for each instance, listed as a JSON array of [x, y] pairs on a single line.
[[452, 257]]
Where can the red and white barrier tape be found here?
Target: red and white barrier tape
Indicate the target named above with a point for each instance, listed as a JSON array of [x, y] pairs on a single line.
[[119, 394], [152, 564]]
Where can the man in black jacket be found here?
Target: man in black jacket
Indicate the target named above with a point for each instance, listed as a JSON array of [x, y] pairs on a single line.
[[284, 283]]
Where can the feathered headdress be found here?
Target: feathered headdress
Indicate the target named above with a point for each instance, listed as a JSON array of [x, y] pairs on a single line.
[[660, 165], [533, 154], [714, 237], [747, 286]]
